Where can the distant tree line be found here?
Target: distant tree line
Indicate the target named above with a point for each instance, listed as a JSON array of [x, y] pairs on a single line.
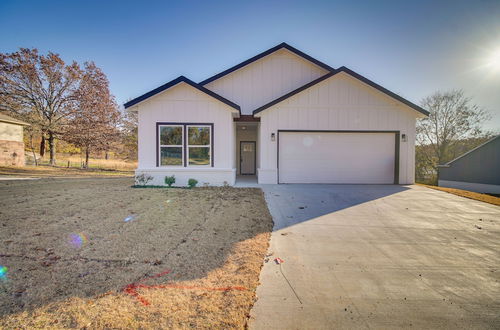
[[65, 101]]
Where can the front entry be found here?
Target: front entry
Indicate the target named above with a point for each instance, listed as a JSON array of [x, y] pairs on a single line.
[[247, 157]]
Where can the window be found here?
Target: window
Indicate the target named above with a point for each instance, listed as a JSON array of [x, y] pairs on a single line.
[[185, 144], [199, 145], [171, 146]]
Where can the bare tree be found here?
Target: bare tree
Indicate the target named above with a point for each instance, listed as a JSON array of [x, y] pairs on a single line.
[[42, 85], [94, 124], [453, 118]]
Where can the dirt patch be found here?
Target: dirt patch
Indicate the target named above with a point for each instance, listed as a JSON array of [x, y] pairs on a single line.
[[468, 194], [55, 171], [98, 253]]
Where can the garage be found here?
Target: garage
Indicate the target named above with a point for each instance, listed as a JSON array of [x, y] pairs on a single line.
[[344, 157]]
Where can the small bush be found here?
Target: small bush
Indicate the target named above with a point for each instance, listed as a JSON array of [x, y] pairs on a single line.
[[192, 183], [142, 179], [170, 180]]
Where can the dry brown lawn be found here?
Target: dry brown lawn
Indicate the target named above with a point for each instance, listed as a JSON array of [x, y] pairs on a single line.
[[56, 171], [468, 194], [187, 259]]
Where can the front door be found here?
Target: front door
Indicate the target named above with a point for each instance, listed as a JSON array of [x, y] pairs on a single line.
[[247, 157]]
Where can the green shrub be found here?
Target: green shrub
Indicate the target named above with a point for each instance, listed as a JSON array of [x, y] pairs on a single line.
[[170, 180], [192, 183]]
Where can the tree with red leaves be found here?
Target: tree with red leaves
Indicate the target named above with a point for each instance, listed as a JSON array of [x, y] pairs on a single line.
[[40, 89], [93, 126]]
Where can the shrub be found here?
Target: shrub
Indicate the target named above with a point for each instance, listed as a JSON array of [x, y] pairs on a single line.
[[142, 179], [192, 183], [170, 180]]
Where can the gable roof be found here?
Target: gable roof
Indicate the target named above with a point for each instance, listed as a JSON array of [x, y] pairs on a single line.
[[351, 73], [10, 120], [470, 151], [175, 82], [263, 54]]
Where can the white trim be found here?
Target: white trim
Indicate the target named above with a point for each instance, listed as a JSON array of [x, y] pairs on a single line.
[[470, 186]]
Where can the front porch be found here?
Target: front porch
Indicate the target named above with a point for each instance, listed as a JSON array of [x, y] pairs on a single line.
[[246, 181], [247, 151]]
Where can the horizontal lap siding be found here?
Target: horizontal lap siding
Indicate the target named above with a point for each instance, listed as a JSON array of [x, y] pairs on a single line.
[[183, 103], [266, 79], [340, 103]]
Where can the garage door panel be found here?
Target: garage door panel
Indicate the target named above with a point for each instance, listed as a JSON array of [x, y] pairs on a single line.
[[336, 157]]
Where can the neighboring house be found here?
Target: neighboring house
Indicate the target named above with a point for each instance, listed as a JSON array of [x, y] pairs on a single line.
[[282, 116], [11, 141], [477, 170]]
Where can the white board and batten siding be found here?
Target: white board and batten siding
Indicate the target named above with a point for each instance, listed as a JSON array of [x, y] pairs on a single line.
[[343, 103], [266, 79], [185, 104]]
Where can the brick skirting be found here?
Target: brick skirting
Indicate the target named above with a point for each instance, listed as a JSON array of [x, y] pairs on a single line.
[[11, 153]]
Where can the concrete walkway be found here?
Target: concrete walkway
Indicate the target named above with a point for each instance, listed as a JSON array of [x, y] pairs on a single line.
[[379, 257]]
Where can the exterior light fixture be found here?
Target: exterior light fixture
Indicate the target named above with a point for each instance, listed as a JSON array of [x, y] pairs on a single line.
[[403, 137], [273, 137], [243, 127]]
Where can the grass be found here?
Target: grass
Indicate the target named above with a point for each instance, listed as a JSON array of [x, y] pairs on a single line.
[[188, 258], [62, 160], [56, 171], [468, 194]]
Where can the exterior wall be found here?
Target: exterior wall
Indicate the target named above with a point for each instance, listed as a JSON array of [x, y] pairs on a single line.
[[185, 104], [12, 153], [481, 165], [338, 103], [266, 79], [11, 132], [469, 186], [11, 145]]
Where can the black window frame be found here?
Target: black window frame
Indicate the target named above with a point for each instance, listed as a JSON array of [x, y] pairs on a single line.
[[185, 144]]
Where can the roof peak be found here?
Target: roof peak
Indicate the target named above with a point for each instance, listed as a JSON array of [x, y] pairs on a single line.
[[264, 54], [174, 82]]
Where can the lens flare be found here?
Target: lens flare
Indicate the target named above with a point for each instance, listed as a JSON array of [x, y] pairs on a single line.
[[77, 240], [3, 272]]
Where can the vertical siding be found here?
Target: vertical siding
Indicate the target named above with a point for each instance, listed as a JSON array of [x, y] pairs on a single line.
[[340, 103], [266, 79], [183, 103]]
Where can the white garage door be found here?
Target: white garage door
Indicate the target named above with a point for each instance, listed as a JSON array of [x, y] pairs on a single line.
[[319, 157]]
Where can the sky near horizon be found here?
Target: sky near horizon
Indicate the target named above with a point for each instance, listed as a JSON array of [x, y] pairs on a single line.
[[411, 48]]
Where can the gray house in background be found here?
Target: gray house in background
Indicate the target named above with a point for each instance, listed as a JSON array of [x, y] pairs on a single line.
[[477, 170]]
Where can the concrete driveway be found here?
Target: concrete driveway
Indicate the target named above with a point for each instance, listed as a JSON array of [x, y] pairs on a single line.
[[379, 257]]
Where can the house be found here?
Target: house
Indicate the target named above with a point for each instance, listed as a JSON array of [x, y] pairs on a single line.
[[280, 117], [477, 170], [11, 141]]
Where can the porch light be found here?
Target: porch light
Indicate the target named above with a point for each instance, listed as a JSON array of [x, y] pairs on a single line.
[[273, 136], [243, 127], [403, 137]]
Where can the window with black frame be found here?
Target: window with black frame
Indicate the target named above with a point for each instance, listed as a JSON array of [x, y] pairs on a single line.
[[176, 150]]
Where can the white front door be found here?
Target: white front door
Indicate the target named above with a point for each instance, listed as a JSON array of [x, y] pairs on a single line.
[[334, 157], [247, 157]]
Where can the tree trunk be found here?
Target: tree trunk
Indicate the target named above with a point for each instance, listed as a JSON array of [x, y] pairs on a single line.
[[42, 146], [33, 149], [87, 153], [52, 146], [106, 155]]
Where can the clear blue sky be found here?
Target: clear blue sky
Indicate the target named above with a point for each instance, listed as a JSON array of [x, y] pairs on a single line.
[[412, 48]]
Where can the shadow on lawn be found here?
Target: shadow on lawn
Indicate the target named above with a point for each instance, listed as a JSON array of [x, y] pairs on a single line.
[[184, 234]]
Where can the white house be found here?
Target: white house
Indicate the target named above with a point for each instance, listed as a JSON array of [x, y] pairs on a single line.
[[281, 116]]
